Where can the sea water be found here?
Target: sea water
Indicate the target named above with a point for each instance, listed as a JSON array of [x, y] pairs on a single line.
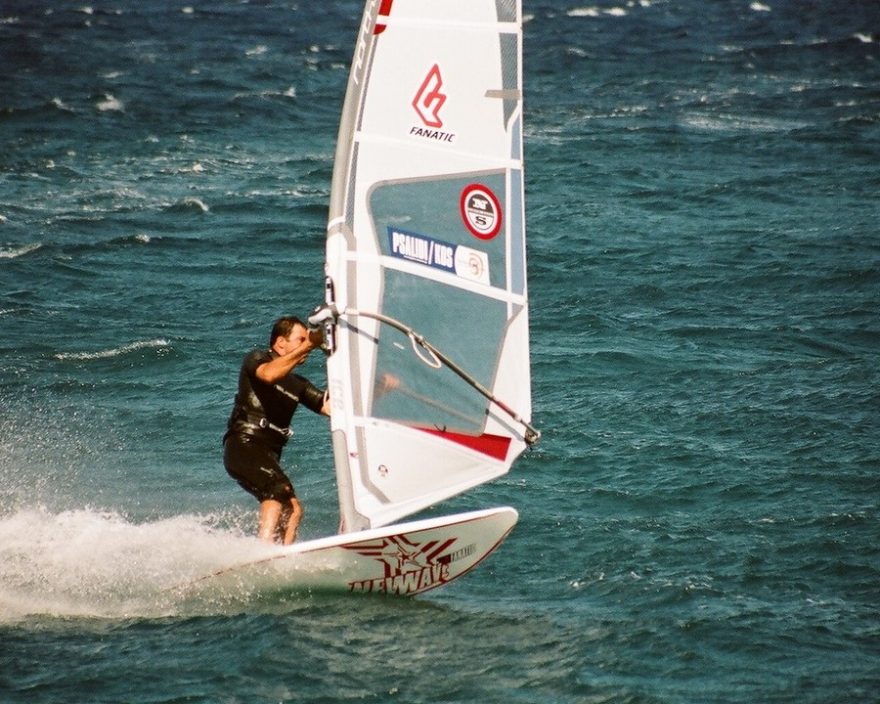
[[699, 522]]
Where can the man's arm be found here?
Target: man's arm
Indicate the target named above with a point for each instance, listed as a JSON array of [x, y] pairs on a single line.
[[281, 366]]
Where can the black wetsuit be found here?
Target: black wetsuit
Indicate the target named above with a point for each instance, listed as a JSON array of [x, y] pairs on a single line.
[[259, 427]]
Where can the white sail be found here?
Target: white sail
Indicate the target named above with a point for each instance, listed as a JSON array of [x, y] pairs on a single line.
[[427, 231]]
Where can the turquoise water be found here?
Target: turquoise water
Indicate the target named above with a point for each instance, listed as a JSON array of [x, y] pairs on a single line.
[[700, 520]]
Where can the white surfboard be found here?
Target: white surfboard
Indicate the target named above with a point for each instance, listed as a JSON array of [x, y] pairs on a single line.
[[404, 559]]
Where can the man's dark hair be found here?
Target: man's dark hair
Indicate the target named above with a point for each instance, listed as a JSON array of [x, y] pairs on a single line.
[[283, 327]]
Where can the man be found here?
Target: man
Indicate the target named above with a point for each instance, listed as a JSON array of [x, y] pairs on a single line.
[[268, 394]]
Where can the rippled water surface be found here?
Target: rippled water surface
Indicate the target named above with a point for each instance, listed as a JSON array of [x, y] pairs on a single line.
[[700, 520]]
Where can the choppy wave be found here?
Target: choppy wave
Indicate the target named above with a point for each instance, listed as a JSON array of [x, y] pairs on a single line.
[[15, 252], [739, 123], [597, 12], [139, 238], [58, 103], [110, 103], [188, 205], [115, 351], [37, 109], [289, 92]]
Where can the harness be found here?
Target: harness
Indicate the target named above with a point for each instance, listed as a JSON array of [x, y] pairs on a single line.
[[254, 421]]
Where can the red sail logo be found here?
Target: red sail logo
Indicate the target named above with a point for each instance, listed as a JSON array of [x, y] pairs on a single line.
[[429, 99]]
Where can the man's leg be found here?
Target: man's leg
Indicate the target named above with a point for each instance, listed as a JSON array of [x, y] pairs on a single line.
[[293, 515], [270, 514]]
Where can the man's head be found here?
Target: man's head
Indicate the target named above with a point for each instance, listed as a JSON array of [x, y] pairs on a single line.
[[287, 332]]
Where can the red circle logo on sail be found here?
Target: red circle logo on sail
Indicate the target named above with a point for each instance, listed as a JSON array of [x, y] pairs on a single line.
[[481, 211]]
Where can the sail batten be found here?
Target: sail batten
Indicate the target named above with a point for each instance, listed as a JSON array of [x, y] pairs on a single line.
[[501, 294], [436, 22], [434, 139], [427, 232]]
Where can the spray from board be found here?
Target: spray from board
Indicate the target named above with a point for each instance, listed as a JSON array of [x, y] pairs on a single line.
[[98, 564]]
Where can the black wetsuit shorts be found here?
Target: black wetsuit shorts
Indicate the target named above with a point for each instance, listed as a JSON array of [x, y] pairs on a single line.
[[256, 468]]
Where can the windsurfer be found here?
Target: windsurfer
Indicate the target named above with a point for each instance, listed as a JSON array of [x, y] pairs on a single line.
[[269, 393]]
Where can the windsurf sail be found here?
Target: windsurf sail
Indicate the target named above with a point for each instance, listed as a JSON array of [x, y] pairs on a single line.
[[429, 358]]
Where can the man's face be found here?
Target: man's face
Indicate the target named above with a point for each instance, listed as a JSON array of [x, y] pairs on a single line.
[[297, 336]]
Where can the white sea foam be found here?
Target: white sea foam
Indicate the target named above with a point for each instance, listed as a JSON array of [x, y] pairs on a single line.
[[597, 12], [759, 7], [15, 252], [740, 123], [192, 204], [290, 92], [864, 38], [583, 12], [115, 351], [110, 103], [61, 105], [97, 563], [258, 50]]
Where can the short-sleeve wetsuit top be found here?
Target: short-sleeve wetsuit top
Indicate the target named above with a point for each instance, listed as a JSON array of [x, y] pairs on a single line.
[[264, 411]]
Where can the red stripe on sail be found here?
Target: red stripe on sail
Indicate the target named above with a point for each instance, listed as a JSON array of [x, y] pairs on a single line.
[[384, 11], [495, 446]]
